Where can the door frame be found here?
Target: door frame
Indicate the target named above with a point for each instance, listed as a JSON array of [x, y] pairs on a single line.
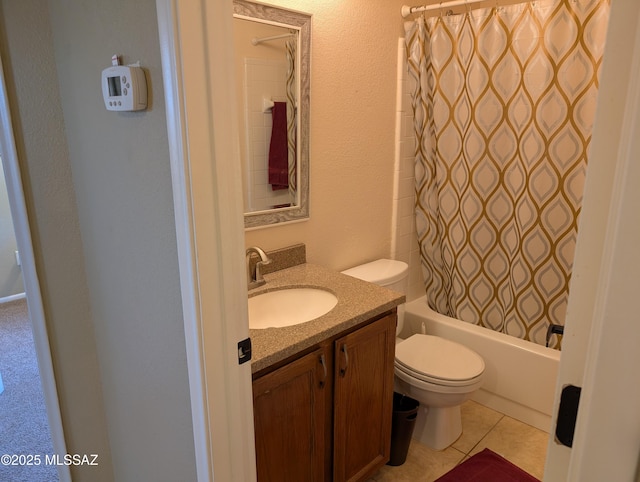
[[197, 64], [20, 219], [601, 324]]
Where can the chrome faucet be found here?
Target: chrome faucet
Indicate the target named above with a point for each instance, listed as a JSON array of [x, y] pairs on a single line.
[[254, 270]]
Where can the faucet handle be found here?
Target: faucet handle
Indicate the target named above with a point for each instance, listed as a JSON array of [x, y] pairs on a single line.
[[259, 265], [259, 251], [254, 271]]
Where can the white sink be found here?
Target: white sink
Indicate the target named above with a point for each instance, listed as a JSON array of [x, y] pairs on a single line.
[[286, 307]]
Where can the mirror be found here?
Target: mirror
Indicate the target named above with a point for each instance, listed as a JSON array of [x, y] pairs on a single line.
[[272, 53]]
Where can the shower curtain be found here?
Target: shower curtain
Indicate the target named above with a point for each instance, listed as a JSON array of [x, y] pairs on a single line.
[[503, 105]]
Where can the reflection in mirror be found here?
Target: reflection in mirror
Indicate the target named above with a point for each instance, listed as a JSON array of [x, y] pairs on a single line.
[[266, 58], [272, 72]]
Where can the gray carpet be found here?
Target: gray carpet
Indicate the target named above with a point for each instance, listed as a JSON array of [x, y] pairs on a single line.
[[23, 421]]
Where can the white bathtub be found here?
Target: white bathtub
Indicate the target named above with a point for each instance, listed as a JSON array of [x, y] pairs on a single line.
[[520, 376]]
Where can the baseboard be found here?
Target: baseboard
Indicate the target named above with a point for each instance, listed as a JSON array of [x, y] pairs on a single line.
[[528, 415]]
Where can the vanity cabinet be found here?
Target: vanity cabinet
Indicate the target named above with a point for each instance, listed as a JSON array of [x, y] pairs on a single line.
[[363, 400], [289, 420], [326, 416]]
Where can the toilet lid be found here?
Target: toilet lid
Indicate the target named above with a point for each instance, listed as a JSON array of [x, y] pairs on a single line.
[[437, 358], [382, 272]]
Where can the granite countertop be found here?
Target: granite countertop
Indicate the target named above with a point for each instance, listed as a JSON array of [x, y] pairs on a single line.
[[358, 301]]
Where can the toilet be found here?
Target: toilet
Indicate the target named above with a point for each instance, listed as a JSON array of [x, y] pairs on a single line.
[[439, 373]]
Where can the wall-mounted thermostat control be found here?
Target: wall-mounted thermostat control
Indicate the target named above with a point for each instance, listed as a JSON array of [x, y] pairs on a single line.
[[124, 87]]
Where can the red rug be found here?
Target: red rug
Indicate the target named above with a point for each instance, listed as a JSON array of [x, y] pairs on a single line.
[[487, 466]]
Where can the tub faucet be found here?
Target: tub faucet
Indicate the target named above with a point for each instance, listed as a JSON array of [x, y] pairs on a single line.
[[254, 270]]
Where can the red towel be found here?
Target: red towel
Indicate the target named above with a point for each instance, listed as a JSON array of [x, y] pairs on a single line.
[[278, 152]]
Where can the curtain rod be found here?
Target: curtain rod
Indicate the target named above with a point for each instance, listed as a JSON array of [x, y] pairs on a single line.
[[256, 41], [406, 10]]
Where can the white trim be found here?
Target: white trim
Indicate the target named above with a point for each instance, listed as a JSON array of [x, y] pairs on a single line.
[[181, 196], [30, 277], [596, 351], [608, 443], [10, 298], [202, 132]]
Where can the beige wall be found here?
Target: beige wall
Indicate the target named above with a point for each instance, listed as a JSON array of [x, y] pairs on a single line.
[[99, 195], [38, 125], [353, 90], [122, 179]]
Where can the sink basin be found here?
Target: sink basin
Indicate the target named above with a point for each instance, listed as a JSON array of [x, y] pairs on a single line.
[[286, 307]]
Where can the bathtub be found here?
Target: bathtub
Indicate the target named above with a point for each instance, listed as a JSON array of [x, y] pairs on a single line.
[[520, 376]]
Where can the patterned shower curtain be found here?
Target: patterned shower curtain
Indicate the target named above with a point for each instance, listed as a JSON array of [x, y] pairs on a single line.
[[504, 104]]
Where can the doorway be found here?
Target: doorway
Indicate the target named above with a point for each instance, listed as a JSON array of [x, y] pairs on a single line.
[[41, 364]]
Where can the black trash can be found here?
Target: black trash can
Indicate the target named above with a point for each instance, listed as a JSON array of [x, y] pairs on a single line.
[[405, 411]]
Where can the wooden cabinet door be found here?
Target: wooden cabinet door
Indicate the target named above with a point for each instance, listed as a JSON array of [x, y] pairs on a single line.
[[363, 400], [289, 417]]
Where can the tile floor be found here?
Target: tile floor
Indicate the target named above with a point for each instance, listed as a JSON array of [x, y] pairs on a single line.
[[482, 427]]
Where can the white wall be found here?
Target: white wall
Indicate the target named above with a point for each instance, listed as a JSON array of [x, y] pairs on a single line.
[[10, 272]]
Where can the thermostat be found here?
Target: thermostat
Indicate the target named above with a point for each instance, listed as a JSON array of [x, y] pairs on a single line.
[[124, 88]]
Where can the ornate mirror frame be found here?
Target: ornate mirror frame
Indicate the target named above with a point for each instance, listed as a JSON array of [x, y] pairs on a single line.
[[302, 22]]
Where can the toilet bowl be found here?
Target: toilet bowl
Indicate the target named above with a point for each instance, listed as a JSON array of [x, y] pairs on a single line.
[[439, 373]]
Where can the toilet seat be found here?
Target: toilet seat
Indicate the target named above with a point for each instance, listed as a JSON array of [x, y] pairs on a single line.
[[438, 361]]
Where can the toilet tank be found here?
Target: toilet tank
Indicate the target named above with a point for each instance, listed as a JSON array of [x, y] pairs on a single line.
[[389, 273]]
